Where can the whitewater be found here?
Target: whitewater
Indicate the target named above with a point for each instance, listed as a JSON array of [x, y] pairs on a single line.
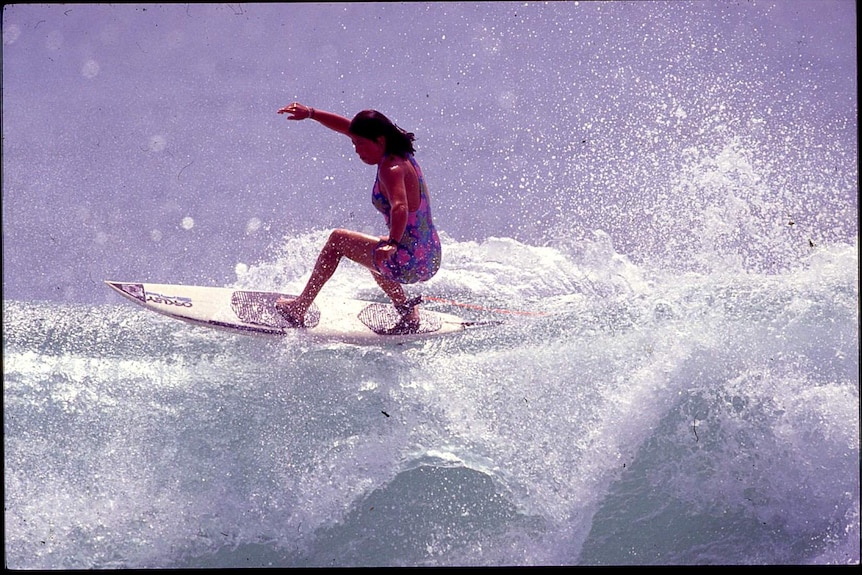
[[659, 200], [633, 415]]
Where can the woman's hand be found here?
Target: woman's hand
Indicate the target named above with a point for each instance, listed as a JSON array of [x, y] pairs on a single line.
[[384, 253], [297, 111]]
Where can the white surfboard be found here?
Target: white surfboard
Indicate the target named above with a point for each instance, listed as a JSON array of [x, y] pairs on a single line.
[[254, 312]]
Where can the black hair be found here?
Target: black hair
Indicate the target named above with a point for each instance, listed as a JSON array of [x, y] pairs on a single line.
[[371, 124]]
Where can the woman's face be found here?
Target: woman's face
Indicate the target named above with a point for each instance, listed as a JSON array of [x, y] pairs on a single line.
[[369, 151]]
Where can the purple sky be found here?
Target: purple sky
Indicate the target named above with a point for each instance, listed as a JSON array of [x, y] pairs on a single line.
[[141, 141]]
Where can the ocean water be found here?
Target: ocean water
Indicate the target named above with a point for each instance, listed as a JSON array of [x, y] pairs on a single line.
[[666, 192], [634, 416]]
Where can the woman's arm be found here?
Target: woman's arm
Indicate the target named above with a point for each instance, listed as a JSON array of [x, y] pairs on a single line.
[[332, 121], [392, 180]]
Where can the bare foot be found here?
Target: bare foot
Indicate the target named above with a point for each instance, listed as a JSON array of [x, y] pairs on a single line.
[[291, 311], [409, 322], [412, 317], [406, 325]]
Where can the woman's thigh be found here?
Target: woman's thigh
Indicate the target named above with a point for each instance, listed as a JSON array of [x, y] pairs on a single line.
[[355, 246]]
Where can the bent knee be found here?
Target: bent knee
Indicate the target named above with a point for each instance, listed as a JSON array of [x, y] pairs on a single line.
[[338, 237], [350, 244]]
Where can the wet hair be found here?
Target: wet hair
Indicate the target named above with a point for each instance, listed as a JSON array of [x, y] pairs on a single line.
[[371, 124]]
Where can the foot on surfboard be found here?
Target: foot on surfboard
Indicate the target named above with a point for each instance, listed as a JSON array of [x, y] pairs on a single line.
[[409, 322], [283, 306]]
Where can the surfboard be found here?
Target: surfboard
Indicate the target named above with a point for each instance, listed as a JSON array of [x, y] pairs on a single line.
[[253, 312]]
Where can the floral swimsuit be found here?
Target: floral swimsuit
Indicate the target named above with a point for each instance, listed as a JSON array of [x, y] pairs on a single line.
[[417, 255]]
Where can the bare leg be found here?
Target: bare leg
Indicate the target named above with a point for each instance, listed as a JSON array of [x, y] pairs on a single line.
[[341, 243], [396, 294]]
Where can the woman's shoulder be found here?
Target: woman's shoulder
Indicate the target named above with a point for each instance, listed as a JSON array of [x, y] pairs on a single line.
[[397, 163], [398, 168]]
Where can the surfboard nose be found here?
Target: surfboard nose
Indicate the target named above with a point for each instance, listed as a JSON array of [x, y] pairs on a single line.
[[134, 290]]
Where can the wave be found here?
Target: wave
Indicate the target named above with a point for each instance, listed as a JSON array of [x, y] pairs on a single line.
[[632, 415]]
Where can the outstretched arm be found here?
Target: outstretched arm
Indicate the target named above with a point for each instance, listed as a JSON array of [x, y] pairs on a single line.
[[332, 121]]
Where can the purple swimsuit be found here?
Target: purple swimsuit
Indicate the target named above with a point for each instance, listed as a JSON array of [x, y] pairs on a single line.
[[417, 256]]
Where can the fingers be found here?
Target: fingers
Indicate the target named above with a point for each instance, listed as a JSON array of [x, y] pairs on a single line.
[[296, 110], [291, 108], [383, 253]]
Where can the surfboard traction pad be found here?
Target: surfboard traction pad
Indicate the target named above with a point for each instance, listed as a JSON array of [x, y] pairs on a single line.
[[259, 308], [380, 318]]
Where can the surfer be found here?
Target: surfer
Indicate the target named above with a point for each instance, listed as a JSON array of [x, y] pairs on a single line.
[[411, 252]]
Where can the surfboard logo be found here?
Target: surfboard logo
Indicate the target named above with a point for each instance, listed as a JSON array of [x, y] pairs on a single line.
[[169, 300]]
